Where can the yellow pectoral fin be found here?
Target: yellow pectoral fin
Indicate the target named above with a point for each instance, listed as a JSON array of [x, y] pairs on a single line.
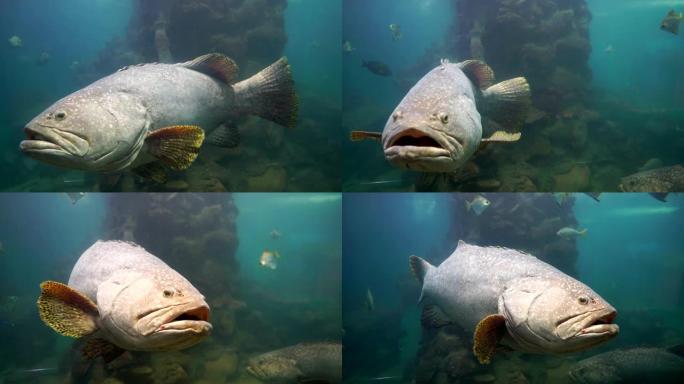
[[177, 146], [488, 333], [66, 310]]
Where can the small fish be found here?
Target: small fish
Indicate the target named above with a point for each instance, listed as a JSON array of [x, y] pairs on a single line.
[[437, 127], [370, 302], [269, 259], [43, 58], [660, 180], [479, 204], [275, 234], [347, 47], [568, 232], [672, 21], [561, 197], [395, 30], [128, 299], [15, 41], [635, 365], [377, 67], [75, 196], [594, 195], [319, 362], [609, 49], [152, 117]]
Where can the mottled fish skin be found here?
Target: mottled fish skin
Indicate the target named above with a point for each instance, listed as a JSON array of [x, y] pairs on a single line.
[[318, 361], [660, 180], [137, 295], [636, 365], [540, 303], [442, 106], [103, 126]]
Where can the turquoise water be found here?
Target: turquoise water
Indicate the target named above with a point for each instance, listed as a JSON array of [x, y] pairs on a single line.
[[604, 80], [632, 255], [87, 40], [214, 240]]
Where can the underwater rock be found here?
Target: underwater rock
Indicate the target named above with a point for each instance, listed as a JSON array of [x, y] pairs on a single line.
[[221, 369], [273, 180], [577, 179]]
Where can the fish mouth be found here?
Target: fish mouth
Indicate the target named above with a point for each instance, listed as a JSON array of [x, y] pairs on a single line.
[[601, 326], [416, 149], [48, 141], [194, 319]]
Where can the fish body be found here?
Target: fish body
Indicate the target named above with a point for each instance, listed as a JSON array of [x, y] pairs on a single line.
[[75, 196], [636, 365], [395, 30], [437, 126], [478, 205], [370, 301], [508, 297], [305, 362], [269, 259], [568, 232], [127, 299], [661, 180], [672, 21], [155, 113], [275, 234], [15, 41], [347, 47], [377, 67]]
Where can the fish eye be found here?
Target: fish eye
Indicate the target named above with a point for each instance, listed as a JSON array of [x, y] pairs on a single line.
[[583, 300], [444, 118], [60, 115], [168, 293]]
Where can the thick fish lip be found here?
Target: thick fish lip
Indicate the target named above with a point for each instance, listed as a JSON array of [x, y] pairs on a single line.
[[189, 319], [602, 325], [53, 141], [419, 141]]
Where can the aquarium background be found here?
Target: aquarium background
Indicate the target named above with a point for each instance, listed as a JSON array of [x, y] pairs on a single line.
[[81, 41], [214, 240], [601, 109], [632, 255]]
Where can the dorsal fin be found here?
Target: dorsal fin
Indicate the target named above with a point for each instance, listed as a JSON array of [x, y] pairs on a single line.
[[478, 72], [672, 13], [216, 65]]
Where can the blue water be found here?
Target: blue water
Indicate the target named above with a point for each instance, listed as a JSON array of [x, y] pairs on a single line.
[[632, 255]]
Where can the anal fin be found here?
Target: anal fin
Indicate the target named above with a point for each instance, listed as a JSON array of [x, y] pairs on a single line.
[[225, 136], [434, 317], [99, 347], [152, 171], [177, 146], [488, 333]]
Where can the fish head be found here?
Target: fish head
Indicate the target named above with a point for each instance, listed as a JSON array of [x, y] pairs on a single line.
[[160, 312], [556, 315], [433, 129], [88, 130], [272, 366]]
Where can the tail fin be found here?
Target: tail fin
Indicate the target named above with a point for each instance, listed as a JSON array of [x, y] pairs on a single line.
[[507, 102], [270, 94], [583, 232]]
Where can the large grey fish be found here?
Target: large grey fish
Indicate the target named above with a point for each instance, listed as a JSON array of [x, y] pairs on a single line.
[[672, 21], [156, 114], [319, 362], [636, 365], [509, 297], [128, 300], [660, 180], [437, 126]]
